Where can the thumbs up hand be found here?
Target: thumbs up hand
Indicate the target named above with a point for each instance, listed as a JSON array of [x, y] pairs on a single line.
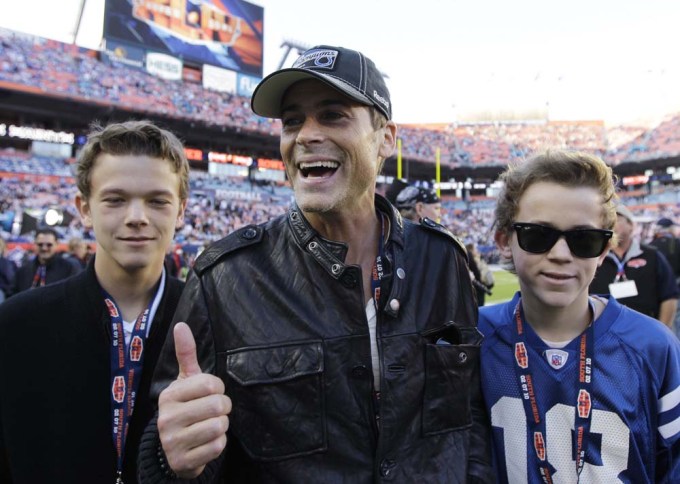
[[185, 350], [192, 412]]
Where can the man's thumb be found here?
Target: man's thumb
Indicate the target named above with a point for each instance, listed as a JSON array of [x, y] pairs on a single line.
[[185, 350]]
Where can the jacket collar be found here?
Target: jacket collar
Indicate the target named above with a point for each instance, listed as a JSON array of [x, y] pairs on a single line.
[[87, 282], [633, 251], [331, 254]]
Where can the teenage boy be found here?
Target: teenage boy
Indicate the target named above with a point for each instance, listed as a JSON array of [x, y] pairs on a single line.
[[578, 388], [76, 357]]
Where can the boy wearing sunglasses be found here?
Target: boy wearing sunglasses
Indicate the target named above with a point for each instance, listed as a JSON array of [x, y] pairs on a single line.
[[578, 388]]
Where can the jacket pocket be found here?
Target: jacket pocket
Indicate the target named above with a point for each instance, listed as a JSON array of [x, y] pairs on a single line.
[[278, 400], [448, 373]]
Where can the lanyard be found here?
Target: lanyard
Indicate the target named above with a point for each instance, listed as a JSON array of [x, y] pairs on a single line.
[[126, 372], [378, 268], [620, 269], [583, 401], [376, 276], [40, 275]]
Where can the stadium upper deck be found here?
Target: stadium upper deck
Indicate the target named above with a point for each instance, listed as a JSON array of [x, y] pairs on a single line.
[[54, 70]]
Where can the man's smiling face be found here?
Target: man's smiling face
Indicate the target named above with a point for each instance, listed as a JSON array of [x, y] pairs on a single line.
[[331, 148]]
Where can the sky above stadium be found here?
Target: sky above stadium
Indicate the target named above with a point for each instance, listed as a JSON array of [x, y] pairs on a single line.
[[447, 60]]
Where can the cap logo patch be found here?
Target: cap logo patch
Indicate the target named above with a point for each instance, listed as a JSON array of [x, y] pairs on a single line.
[[317, 59], [380, 99]]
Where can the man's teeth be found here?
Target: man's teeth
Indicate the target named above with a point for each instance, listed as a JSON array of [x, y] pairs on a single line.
[[319, 164]]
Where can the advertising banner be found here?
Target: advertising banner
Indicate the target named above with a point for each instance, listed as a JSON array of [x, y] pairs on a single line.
[[125, 54], [164, 66], [219, 79], [246, 85]]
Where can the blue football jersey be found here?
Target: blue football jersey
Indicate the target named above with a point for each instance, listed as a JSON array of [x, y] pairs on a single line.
[[635, 423]]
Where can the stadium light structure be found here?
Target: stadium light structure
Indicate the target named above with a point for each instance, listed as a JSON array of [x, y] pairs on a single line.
[[290, 45], [79, 20], [35, 218], [53, 216]]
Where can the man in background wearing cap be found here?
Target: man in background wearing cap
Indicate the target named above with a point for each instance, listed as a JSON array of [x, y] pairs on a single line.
[[344, 340], [416, 203], [636, 274]]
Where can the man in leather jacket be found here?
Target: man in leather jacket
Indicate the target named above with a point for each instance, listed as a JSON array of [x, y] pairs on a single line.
[[336, 343]]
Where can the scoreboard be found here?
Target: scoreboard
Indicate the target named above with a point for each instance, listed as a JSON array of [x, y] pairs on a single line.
[[225, 33]]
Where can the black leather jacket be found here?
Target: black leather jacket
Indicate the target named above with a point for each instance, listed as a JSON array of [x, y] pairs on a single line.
[[281, 320]]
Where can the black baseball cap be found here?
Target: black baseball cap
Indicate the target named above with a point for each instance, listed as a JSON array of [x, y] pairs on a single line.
[[346, 70], [665, 222], [409, 196]]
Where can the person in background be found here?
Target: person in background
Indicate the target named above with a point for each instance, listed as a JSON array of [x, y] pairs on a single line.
[[483, 279], [343, 336], [666, 241], [174, 261], [78, 355], [77, 252], [415, 203], [8, 271], [638, 275], [46, 267], [579, 388]]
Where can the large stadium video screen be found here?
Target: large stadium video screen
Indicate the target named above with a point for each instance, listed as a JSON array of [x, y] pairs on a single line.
[[223, 33]]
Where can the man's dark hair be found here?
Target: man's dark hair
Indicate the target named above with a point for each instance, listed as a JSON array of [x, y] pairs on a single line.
[[47, 231]]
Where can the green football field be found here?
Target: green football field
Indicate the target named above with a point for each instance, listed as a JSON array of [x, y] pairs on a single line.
[[505, 287]]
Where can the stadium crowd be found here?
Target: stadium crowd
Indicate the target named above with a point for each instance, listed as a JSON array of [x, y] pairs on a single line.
[[219, 205], [63, 70]]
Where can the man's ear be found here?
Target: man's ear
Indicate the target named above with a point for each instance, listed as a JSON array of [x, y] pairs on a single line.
[[83, 206], [179, 223], [389, 141], [418, 208], [502, 239]]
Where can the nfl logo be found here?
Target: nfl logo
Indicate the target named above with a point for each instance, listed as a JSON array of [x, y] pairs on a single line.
[[556, 358], [118, 389]]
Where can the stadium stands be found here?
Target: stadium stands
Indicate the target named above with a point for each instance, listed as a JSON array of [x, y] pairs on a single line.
[[220, 205], [56, 69]]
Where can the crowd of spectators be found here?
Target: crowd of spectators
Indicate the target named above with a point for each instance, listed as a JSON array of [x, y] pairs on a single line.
[[218, 205], [65, 70]]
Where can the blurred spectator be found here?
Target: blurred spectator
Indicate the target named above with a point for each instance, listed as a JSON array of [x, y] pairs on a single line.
[[669, 245], [416, 203], [483, 279], [78, 252], [636, 274], [46, 267], [8, 271], [174, 262]]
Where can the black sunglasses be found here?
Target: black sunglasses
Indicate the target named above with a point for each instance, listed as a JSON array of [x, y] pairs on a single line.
[[584, 243]]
